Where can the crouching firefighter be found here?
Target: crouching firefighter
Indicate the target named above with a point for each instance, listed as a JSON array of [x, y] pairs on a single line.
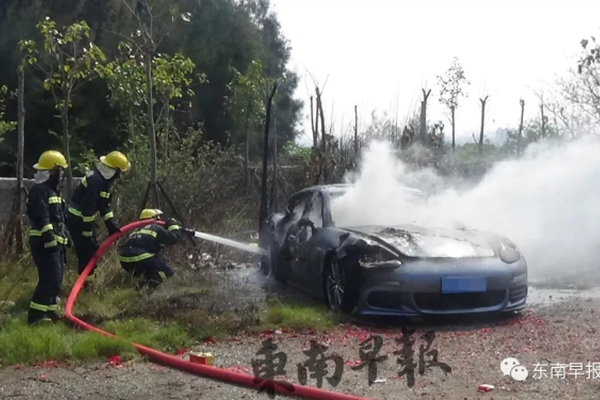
[[139, 254], [48, 235], [92, 195]]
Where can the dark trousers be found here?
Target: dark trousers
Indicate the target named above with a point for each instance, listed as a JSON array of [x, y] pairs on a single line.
[[85, 246], [50, 267], [154, 270]]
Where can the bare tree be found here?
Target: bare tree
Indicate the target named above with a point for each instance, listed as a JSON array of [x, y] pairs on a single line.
[[151, 32], [451, 89], [520, 136], [423, 129], [483, 102], [355, 131]]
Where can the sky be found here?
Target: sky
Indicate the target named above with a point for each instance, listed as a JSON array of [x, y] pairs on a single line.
[[378, 54]]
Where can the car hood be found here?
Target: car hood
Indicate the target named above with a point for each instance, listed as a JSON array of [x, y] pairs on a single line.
[[417, 241]]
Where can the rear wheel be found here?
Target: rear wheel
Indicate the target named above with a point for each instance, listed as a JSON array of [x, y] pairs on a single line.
[[340, 286]]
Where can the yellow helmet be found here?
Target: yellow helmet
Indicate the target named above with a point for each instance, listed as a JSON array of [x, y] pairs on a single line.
[[51, 159], [150, 213], [116, 160]]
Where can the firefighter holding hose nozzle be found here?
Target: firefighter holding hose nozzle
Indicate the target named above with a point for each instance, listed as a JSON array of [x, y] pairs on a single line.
[[139, 254], [48, 235], [92, 195]]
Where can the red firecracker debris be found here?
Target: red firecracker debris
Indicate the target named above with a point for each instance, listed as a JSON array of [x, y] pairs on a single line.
[[210, 340], [485, 388], [181, 352], [48, 364], [353, 363], [114, 361]]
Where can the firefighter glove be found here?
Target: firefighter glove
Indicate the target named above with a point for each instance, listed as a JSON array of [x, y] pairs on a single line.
[[113, 228], [172, 221]]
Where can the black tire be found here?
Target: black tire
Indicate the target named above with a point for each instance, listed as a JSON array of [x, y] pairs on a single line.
[[336, 277]]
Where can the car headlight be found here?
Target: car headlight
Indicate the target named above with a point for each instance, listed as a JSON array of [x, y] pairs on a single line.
[[519, 278], [376, 256], [509, 252]]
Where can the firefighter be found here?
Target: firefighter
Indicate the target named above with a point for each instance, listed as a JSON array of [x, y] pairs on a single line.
[[92, 195], [139, 254], [48, 235]]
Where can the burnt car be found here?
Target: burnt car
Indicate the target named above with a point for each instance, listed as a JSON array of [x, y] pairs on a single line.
[[402, 270]]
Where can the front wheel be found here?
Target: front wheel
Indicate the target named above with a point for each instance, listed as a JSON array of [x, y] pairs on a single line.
[[341, 289]]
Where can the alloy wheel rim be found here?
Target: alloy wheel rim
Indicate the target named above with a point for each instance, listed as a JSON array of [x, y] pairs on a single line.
[[335, 285]]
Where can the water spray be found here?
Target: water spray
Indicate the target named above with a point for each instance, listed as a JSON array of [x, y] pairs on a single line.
[[228, 242]]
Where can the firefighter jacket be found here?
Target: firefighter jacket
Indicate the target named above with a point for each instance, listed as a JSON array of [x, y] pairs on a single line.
[[148, 241], [46, 210], [92, 195]]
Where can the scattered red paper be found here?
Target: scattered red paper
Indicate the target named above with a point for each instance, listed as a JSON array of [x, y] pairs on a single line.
[[48, 364], [485, 388], [353, 363], [210, 340], [240, 370], [181, 352], [115, 361]]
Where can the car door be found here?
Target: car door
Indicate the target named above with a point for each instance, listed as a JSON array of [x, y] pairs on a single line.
[[306, 264], [287, 227]]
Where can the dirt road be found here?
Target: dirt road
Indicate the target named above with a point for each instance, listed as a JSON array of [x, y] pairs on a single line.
[[558, 332]]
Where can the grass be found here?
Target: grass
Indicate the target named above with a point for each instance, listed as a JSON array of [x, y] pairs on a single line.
[[175, 317], [22, 344], [299, 316]]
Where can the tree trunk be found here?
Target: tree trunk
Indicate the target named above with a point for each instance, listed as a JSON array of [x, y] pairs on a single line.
[[543, 120], [423, 130], [274, 203], [247, 155], [151, 131], [64, 112], [20, 157], [313, 125], [480, 144], [323, 138], [452, 115], [355, 131], [167, 127], [520, 136], [263, 214]]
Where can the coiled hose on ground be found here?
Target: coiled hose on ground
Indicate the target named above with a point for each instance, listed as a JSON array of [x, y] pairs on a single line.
[[185, 365]]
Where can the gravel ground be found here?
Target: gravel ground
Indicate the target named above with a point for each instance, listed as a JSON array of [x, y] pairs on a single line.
[[553, 331]]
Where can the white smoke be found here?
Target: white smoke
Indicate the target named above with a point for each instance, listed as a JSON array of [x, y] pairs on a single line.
[[547, 202]]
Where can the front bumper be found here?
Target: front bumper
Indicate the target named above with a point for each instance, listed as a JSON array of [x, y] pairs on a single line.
[[408, 291]]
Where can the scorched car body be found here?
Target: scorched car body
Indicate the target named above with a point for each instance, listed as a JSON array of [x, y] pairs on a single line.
[[405, 270]]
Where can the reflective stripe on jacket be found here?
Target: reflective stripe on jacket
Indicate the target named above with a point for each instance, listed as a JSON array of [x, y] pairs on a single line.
[[46, 210], [92, 196], [148, 241]]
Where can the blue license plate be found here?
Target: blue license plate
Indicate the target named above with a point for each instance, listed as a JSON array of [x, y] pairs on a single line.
[[472, 284]]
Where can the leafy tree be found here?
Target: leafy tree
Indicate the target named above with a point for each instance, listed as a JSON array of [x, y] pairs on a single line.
[[249, 100], [5, 126], [451, 90], [126, 80], [68, 59], [220, 35]]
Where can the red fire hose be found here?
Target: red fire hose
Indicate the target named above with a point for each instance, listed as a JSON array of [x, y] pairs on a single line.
[[184, 365]]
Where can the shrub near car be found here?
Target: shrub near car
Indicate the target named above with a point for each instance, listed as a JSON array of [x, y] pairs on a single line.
[[403, 270]]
